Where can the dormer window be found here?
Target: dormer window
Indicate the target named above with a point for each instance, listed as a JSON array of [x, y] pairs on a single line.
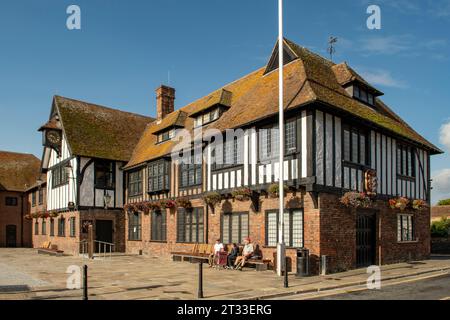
[[207, 117], [363, 95], [166, 135]]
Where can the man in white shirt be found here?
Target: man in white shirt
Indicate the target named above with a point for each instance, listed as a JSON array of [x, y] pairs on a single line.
[[247, 253], [218, 247]]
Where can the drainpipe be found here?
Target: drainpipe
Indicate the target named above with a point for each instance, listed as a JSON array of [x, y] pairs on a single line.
[[21, 220]]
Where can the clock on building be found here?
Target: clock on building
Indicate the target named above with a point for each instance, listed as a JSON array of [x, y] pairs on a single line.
[[53, 137]]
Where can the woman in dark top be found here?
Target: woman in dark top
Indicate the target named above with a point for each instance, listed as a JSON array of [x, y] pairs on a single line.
[[233, 255]]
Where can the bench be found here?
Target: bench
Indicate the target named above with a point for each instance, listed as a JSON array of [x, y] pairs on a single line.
[[260, 264], [48, 249], [199, 252]]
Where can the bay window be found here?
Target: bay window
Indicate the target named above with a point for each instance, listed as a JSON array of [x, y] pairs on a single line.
[[158, 176], [135, 183]]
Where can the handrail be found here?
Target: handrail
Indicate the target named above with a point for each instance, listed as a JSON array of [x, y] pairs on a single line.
[[104, 248]]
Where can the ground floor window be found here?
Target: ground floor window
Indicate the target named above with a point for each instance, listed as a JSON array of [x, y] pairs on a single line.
[[293, 228], [36, 228], [235, 227], [405, 230], [72, 227], [52, 227], [190, 227], [62, 227], [134, 226], [44, 227], [159, 226]]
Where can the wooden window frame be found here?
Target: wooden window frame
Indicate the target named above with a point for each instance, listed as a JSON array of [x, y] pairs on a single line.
[[164, 175], [410, 228], [404, 164], [359, 133], [72, 227], [11, 201], [183, 221], [191, 170], [135, 223], [229, 229], [60, 176], [291, 227], [158, 225], [135, 184], [100, 165], [61, 227]]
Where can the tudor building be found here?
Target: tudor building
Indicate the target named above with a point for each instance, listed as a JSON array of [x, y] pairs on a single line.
[[338, 134], [85, 148]]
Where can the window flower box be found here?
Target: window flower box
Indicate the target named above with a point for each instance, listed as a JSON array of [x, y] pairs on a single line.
[[356, 200]]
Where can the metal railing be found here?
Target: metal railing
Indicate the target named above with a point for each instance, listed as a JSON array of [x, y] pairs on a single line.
[[101, 249]]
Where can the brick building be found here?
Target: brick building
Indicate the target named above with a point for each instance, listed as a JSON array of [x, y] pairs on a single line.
[[439, 212], [18, 172], [85, 149], [340, 137]]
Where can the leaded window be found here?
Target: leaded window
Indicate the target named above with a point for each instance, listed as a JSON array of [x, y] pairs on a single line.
[[405, 231], [135, 183], [44, 227], [235, 227], [355, 146], [191, 172], [104, 174], [72, 227], [293, 228], [62, 227], [158, 176], [159, 226], [134, 226], [190, 225], [406, 164], [60, 176]]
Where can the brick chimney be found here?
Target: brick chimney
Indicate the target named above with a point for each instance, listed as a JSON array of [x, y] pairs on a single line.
[[165, 101]]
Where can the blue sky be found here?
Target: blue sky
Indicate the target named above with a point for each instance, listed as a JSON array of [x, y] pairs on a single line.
[[127, 48]]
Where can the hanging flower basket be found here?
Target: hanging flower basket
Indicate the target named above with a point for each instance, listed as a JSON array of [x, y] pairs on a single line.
[[168, 204], [274, 190], [184, 203], [400, 203], [28, 217], [242, 194], [53, 214], [356, 200], [212, 199], [419, 205]]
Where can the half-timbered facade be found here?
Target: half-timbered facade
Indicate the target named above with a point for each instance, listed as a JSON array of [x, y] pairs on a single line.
[[86, 147], [339, 138]]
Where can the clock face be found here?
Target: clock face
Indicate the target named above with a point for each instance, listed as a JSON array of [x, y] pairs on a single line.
[[53, 137]]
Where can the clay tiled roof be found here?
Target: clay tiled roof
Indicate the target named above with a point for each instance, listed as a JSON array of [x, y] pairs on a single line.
[[99, 132], [309, 78], [346, 75], [18, 171], [175, 119]]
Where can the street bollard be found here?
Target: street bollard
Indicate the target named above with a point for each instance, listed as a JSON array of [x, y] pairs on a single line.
[[286, 275], [85, 282], [200, 280]]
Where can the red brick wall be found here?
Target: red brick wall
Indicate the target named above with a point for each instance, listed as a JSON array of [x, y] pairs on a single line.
[[329, 230], [70, 245], [12, 215]]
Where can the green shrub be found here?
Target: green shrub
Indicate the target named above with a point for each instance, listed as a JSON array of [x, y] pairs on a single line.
[[445, 202], [440, 229]]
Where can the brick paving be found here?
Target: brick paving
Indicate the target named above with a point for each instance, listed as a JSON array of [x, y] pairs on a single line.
[[26, 275]]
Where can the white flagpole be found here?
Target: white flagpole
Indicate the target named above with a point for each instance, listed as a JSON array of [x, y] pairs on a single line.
[[281, 251]]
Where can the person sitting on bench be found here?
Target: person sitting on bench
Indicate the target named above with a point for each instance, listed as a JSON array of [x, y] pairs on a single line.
[[233, 255], [218, 247], [247, 253]]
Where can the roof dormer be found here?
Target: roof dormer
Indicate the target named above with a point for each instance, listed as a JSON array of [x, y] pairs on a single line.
[[214, 107]]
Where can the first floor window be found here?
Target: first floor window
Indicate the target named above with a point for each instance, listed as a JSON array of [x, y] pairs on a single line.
[[235, 227], [52, 227], [36, 228], [11, 201], [62, 227], [158, 176], [104, 174], [60, 176], [135, 183], [293, 228], [355, 146], [72, 227], [159, 226], [134, 226], [190, 227], [405, 231], [405, 161], [191, 171], [44, 227]]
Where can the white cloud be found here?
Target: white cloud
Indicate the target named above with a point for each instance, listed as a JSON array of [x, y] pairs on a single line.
[[382, 78], [445, 135], [441, 185]]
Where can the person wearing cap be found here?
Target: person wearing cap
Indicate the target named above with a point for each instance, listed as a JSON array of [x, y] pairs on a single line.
[[247, 253]]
